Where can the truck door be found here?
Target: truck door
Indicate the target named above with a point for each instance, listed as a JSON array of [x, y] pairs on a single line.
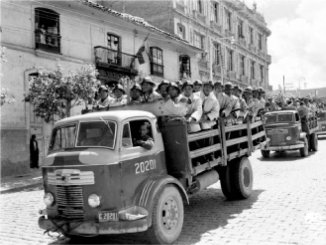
[[139, 163]]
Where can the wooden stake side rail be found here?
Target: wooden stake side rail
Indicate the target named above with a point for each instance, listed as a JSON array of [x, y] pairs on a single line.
[[235, 127], [206, 166], [258, 135], [205, 150], [256, 124], [236, 141], [236, 154], [203, 135]]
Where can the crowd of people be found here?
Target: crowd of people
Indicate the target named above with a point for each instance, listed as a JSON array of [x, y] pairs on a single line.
[[205, 101]]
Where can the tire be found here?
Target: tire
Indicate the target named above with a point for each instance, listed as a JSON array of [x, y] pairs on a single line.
[[304, 151], [314, 142], [166, 229], [241, 178], [225, 181], [265, 153]]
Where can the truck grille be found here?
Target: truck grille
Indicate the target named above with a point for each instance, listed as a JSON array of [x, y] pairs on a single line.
[[276, 139], [70, 201]]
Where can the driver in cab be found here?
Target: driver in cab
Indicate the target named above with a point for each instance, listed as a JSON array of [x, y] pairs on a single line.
[[144, 140]]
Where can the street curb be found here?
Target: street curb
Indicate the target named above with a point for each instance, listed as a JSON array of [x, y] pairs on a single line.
[[19, 188]]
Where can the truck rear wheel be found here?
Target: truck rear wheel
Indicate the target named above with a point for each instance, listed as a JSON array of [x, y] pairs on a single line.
[[241, 178], [313, 142], [265, 153], [304, 151], [167, 216], [236, 179]]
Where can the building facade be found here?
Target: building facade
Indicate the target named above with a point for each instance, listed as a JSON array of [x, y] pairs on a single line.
[[231, 36], [73, 34]]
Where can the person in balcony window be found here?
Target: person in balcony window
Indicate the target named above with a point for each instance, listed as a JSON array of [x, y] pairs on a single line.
[[120, 97], [42, 33], [136, 94], [163, 89], [149, 95], [104, 101]]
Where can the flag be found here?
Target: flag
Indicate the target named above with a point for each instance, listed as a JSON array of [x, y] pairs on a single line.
[[141, 50]]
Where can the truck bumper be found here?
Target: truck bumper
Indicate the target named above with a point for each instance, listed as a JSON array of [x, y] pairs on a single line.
[[283, 148], [92, 227]]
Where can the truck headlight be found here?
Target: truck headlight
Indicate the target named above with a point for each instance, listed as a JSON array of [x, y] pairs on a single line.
[[48, 199], [94, 200], [288, 138]]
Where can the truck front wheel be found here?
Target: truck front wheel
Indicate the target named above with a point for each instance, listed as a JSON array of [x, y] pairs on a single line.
[[167, 216], [313, 142], [304, 151]]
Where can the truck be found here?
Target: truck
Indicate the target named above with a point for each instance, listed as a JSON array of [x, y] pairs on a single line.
[[321, 123], [286, 131], [98, 182]]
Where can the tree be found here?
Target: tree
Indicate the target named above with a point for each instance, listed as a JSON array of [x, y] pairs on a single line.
[[5, 96], [54, 94]]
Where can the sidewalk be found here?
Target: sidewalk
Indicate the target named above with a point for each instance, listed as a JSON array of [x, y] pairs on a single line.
[[17, 183]]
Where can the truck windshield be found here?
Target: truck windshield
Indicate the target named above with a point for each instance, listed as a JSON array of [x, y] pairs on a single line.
[[270, 118], [97, 133], [63, 137], [285, 117]]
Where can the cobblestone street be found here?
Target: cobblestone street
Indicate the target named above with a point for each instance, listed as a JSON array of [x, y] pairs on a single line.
[[288, 206]]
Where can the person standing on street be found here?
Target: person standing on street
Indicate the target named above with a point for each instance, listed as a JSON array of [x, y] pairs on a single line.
[[34, 152]]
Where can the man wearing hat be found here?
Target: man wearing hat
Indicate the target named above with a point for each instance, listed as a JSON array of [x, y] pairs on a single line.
[[120, 97], [237, 91], [234, 101], [198, 86], [261, 95], [257, 104], [163, 89], [223, 100], [105, 100], [211, 107], [136, 94], [149, 95], [194, 103]]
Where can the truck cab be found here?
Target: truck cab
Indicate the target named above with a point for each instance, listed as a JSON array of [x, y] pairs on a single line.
[[98, 180], [285, 130]]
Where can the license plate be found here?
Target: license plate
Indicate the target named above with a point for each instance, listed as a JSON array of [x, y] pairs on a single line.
[[106, 216], [278, 131]]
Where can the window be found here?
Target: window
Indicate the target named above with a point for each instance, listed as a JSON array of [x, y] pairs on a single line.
[[156, 61], [131, 132], [242, 65], [47, 30], [260, 41], [252, 70], [184, 63], [215, 11], [200, 6], [230, 60], [97, 134], [199, 41], [181, 31], [113, 51], [228, 20], [251, 35], [240, 29], [285, 117], [63, 138], [261, 70], [216, 54]]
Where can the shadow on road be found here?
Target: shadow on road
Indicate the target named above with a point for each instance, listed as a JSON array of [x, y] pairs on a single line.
[[208, 210], [285, 156]]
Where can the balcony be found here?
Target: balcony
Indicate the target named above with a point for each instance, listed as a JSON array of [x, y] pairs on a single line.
[[215, 26], [203, 64], [216, 69], [47, 41], [242, 42], [108, 58]]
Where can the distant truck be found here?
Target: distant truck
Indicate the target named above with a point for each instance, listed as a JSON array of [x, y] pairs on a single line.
[[96, 181], [321, 123], [286, 131]]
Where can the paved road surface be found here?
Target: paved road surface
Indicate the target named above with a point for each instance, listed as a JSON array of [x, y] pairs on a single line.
[[288, 206]]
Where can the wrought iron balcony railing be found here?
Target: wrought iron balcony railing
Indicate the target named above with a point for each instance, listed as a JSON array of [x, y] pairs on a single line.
[[108, 56], [47, 41]]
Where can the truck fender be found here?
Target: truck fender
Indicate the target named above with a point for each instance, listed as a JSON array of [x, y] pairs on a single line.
[[152, 187], [303, 135]]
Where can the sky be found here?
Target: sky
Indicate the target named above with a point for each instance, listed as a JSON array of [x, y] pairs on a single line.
[[297, 43]]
